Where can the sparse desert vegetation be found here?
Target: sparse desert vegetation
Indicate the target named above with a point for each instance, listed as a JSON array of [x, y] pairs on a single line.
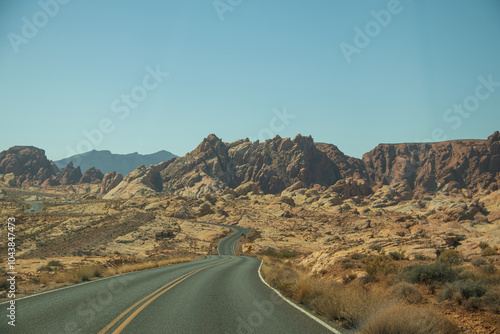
[[392, 298]]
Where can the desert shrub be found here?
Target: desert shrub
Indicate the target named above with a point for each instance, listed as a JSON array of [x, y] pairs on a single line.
[[488, 269], [349, 305], [400, 319], [280, 254], [41, 244], [450, 256], [55, 263], [45, 268], [376, 248], [4, 284], [61, 278], [422, 235], [406, 292], [282, 279], [483, 245], [358, 256], [84, 273], [421, 257], [379, 264], [44, 279], [400, 234], [347, 263], [349, 278], [399, 255], [437, 272], [488, 251], [478, 261], [462, 290], [307, 289], [491, 300], [460, 237]]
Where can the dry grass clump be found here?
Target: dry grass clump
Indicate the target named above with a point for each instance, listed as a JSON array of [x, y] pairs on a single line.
[[372, 306], [404, 319], [127, 268], [83, 274], [379, 265], [87, 273], [347, 304], [406, 292]]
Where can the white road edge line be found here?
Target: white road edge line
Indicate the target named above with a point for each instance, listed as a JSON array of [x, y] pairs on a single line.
[[321, 322]]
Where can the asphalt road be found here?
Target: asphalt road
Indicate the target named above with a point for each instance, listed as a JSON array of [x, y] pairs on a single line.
[[219, 294], [227, 245], [35, 207]]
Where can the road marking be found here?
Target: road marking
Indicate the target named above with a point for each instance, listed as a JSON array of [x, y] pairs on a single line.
[[76, 285], [321, 322], [150, 298], [112, 323]]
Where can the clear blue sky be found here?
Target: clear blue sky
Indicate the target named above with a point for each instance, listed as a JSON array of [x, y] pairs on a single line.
[[230, 77]]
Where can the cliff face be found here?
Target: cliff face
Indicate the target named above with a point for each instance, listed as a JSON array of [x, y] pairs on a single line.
[[278, 163], [348, 166], [273, 165], [28, 164], [471, 164]]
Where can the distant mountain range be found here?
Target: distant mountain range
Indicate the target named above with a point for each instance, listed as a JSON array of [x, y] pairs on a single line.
[[106, 161], [417, 169]]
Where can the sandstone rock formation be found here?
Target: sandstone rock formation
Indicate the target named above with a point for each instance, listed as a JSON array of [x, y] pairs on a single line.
[[348, 166], [69, 174], [144, 181], [28, 164], [350, 187], [110, 181], [394, 172], [428, 167], [91, 175], [272, 165]]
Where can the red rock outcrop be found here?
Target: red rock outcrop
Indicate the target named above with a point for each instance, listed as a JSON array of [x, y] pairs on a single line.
[[428, 167], [29, 165], [91, 175], [69, 174], [144, 181], [110, 181], [272, 165], [348, 166]]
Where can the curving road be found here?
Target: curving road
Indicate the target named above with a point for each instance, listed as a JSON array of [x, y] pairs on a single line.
[[35, 207], [227, 245], [219, 294]]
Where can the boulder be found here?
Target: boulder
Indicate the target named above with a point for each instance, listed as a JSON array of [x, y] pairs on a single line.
[[247, 188]]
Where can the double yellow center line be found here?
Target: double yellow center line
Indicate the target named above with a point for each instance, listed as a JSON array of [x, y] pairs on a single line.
[[149, 299]]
